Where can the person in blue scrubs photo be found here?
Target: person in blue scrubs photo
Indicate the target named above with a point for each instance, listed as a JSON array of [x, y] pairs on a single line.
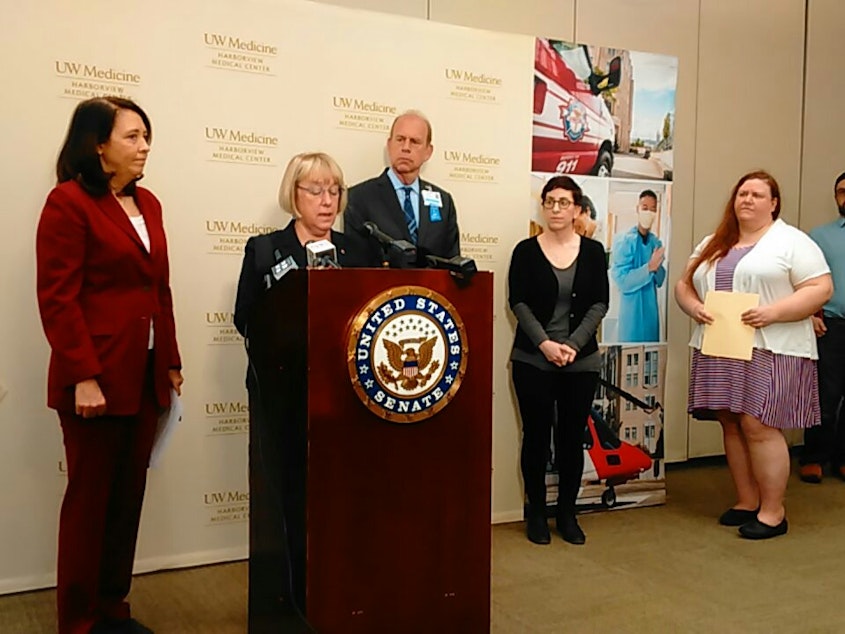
[[637, 270]]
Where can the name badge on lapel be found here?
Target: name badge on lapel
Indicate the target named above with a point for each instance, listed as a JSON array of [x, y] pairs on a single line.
[[434, 202]]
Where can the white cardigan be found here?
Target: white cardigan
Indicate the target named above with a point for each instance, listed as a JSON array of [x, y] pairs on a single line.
[[783, 258]]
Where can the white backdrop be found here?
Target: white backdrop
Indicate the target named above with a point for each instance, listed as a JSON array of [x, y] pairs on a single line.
[[233, 90]]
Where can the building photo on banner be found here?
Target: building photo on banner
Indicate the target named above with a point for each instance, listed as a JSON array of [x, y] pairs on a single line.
[[605, 117]]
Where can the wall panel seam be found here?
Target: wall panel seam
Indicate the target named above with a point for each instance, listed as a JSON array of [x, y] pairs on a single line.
[[694, 179], [803, 111]]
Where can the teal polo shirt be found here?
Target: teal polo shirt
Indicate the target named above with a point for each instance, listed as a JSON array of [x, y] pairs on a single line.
[[831, 239]]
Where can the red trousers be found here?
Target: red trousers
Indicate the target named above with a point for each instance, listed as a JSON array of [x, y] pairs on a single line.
[[107, 459]]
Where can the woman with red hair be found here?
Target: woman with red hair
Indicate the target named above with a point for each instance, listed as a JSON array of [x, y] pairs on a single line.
[[753, 251]]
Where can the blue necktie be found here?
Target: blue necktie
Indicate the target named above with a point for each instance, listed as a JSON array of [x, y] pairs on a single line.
[[408, 208]]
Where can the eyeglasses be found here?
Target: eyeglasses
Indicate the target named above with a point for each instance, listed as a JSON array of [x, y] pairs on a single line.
[[563, 203], [317, 191]]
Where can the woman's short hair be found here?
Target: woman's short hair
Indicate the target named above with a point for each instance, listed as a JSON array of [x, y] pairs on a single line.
[[90, 126], [566, 183], [301, 167]]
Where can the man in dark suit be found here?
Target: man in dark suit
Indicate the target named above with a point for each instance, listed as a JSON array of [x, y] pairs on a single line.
[[400, 203]]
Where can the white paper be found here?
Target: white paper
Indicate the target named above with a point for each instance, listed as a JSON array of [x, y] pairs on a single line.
[[167, 423]]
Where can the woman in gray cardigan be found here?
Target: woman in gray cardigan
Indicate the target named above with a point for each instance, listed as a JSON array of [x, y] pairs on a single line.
[[558, 290]]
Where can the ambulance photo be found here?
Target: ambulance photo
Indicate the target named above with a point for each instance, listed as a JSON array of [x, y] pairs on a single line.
[[573, 128]]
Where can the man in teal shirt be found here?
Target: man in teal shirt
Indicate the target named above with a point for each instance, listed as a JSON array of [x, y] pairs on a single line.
[[637, 270], [826, 443]]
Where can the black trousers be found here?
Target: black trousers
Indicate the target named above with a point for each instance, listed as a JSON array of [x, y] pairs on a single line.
[[826, 443], [554, 407]]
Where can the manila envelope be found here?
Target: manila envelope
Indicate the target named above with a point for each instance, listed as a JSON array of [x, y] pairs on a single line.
[[727, 336]]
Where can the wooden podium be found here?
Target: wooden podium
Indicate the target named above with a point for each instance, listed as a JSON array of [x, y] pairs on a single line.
[[357, 523]]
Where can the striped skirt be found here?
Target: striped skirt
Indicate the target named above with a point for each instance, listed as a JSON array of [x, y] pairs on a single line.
[[781, 391]]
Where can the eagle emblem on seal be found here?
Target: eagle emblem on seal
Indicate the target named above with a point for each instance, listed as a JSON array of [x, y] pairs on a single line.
[[408, 365], [407, 354]]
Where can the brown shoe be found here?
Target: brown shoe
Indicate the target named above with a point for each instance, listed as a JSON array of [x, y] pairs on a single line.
[[811, 473]]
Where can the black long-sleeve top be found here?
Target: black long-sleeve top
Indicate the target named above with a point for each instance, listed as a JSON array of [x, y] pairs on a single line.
[[533, 283]]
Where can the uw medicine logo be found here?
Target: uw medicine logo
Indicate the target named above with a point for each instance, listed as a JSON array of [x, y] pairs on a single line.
[[93, 80], [407, 354]]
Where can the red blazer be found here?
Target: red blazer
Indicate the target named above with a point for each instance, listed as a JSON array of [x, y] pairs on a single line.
[[98, 289]]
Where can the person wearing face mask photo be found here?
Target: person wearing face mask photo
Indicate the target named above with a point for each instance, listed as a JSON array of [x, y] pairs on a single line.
[[637, 270]]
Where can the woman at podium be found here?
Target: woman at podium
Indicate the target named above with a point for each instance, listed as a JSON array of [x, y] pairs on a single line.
[[314, 193], [558, 291]]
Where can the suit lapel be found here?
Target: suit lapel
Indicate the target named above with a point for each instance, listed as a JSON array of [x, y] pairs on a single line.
[[114, 212], [287, 243], [424, 223], [154, 228]]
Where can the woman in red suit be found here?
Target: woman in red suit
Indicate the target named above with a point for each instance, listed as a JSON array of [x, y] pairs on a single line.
[[106, 308]]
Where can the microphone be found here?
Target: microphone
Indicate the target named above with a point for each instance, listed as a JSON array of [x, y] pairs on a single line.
[[279, 269], [321, 253], [459, 266], [401, 254]]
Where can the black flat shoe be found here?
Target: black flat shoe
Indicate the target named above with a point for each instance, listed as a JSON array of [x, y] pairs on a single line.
[[755, 529], [537, 530], [737, 517], [570, 531]]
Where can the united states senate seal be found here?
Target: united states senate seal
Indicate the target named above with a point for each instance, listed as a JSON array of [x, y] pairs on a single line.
[[407, 354]]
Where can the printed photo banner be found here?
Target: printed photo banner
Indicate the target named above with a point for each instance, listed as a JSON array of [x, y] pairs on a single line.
[[605, 116]]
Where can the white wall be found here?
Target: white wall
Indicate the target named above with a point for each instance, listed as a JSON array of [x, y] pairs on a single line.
[[748, 117], [824, 100]]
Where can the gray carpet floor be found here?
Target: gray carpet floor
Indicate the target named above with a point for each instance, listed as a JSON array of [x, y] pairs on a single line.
[[663, 569]]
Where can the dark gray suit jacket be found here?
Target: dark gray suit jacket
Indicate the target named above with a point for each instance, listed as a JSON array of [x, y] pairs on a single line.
[[375, 200]]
